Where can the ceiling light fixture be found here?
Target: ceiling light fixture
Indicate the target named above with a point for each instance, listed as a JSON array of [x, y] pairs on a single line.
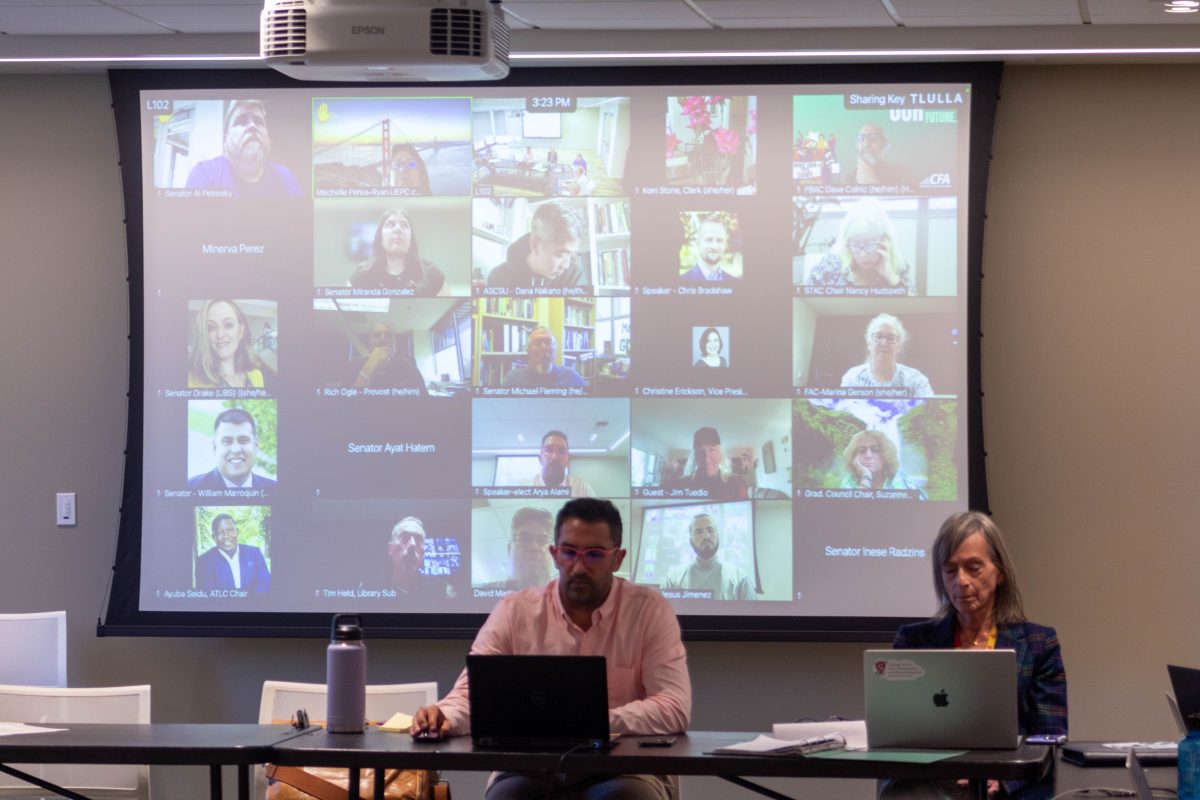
[[247, 59], [686, 56], [690, 55]]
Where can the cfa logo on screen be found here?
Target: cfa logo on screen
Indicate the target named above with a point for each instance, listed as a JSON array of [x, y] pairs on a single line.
[[937, 179]]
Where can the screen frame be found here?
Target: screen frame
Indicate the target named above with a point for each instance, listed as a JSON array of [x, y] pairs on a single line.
[[123, 617]]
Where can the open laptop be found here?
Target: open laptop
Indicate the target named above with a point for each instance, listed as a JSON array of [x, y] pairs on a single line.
[[1137, 776], [941, 699], [1185, 683], [538, 702]]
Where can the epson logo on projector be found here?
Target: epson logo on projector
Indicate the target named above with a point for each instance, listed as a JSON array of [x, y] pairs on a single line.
[[366, 30]]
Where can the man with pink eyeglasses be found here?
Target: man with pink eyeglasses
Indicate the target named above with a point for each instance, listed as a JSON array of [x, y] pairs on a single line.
[[587, 610]]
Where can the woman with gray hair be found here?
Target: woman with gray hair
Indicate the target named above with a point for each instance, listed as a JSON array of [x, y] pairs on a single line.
[[865, 254], [980, 609], [886, 338], [871, 462]]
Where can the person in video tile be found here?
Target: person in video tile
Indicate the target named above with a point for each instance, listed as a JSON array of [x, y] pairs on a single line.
[[886, 338], [408, 170], [529, 550], [406, 575], [230, 565], [222, 356], [555, 459], [541, 371], [396, 262], [871, 462], [245, 166], [873, 167], [383, 367], [711, 347], [235, 448], [547, 255], [710, 473], [711, 244], [707, 572], [865, 254]]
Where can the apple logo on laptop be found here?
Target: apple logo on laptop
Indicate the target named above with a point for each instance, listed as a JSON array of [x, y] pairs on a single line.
[[538, 698], [941, 699]]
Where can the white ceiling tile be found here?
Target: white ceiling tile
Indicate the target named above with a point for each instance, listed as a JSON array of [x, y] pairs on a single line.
[[772, 23], [50, 19], [791, 14], [983, 20], [35, 4], [1136, 12], [937, 13], [213, 18], [217, 6], [608, 14]]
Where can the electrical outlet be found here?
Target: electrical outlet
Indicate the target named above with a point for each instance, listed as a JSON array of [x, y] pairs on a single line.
[[64, 515]]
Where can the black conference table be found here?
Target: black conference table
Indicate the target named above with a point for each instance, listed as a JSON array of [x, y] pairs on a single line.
[[211, 745], [241, 746], [688, 756]]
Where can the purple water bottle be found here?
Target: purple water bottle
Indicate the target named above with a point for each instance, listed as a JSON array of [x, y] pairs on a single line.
[[346, 676]]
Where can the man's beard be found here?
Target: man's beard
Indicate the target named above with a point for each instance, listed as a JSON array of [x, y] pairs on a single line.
[[249, 154], [553, 473], [705, 551]]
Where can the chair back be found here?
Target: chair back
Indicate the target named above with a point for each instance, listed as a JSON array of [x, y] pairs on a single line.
[[50, 705], [33, 649], [281, 700]]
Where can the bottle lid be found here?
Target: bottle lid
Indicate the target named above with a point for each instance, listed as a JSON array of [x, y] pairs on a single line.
[[343, 630]]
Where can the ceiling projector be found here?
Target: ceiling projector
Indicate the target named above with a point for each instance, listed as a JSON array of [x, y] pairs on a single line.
[[385, 40]]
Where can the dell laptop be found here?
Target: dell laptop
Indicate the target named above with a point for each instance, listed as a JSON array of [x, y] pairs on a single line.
[[941, 699], [547, 703]]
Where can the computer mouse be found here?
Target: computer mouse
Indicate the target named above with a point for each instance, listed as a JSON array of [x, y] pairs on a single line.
[[428, 736]]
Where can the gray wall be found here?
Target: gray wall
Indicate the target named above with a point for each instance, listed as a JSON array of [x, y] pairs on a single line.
[[1092, 266]]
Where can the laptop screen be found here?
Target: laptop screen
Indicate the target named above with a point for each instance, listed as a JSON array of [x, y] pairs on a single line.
[[538, 702]]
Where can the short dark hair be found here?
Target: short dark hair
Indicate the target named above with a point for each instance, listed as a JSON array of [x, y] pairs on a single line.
[[590, 509], [555, 222], [235, 416], [559, 434], [218, 519]]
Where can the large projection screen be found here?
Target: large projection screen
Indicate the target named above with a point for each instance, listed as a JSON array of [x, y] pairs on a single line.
[[379, 334]]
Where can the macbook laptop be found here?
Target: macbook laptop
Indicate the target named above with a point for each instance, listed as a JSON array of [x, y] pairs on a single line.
[[941, 699], [538, 702]]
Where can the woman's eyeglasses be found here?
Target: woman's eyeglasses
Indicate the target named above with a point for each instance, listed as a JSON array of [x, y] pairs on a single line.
[[869, 246]]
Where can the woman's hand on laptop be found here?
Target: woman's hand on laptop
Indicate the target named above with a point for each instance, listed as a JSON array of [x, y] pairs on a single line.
[[430, 719]]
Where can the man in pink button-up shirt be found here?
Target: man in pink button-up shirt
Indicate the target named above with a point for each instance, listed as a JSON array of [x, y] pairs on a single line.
[[587, 611]]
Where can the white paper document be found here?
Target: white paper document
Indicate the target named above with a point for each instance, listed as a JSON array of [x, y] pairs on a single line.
[[768, 746], [855, 731], [17, 728]]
